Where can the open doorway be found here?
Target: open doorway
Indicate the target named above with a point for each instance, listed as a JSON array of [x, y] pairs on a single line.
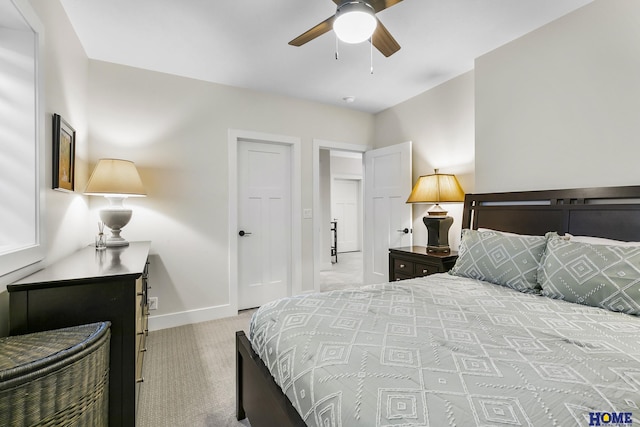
[[386, 182], [341, 201]]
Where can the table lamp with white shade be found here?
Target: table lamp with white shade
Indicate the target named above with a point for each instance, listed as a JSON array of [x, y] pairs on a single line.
[[116, 180]]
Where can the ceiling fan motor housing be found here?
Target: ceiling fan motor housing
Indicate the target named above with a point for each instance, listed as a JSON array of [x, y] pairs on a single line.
[[351, 2], [355, 21]]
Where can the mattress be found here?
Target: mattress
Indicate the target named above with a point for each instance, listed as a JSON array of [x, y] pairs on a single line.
[[443, 350]]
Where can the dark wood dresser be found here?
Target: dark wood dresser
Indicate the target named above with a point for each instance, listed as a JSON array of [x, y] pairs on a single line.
[[414, 261], [90, 286]]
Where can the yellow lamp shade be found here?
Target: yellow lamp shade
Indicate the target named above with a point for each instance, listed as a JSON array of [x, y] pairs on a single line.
[[436, 188]]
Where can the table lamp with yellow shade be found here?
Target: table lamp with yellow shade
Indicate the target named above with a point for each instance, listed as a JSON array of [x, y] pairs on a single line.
[[437, 188]]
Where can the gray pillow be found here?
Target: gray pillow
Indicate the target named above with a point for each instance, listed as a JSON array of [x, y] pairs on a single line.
[[504, 259], [606, 276]]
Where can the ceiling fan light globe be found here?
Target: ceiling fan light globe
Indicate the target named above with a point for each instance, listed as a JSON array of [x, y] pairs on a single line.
[[355, 22]]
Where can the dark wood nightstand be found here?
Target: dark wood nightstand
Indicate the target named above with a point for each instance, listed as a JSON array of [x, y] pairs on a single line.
[[414, 261]]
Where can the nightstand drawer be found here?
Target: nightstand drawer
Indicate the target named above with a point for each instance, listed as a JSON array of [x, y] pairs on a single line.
[[403, 266], [426, 269], [400, 276], [415, 261]]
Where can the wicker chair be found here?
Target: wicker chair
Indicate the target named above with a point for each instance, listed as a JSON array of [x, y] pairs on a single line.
[[56, 378]]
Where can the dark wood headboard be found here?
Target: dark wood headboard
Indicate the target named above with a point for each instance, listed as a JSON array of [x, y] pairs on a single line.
[[611, 212]]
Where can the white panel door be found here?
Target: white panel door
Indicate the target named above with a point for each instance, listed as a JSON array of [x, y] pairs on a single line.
[[264, 222], [387, 216], [345, 200]]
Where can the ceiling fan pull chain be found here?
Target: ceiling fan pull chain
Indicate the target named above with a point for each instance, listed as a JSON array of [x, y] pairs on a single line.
[[371, 53], [337, 48]]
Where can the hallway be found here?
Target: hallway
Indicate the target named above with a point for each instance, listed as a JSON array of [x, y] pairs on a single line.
[[346, 273]]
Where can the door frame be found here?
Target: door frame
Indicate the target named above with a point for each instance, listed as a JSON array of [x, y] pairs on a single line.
[[320, 144], [235, 135]]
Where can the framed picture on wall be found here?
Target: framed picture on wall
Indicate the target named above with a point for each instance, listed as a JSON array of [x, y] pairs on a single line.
[[64, 154]]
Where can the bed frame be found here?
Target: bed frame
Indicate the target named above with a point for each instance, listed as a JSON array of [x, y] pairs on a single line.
[[609, 212]]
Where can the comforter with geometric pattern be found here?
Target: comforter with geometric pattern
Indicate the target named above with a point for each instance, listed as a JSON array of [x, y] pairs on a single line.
[[449, 351]]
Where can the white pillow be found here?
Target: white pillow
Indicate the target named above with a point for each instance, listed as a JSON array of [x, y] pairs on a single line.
[[600, 241]]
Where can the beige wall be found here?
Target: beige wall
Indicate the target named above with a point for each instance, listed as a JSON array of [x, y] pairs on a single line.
[[560, 107], [556, 108], [66, 79], [440, 122], [176, 131], [346, 165]]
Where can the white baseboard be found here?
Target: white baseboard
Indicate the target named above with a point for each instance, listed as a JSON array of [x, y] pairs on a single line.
[[182, 318]]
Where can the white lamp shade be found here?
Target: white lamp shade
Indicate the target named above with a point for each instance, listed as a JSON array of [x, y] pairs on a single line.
[[115, 177], [355, 22], [116, 180]]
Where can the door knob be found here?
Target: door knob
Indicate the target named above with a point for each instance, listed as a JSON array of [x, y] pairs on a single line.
[[405, 231], [242, 233]]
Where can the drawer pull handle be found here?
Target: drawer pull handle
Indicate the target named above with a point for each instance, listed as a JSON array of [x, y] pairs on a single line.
[[425, 271], [140, 380], [404, 230], [140, 294], [402, 266]]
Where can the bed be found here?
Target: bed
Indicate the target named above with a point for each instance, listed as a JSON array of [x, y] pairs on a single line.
[[522, 344]]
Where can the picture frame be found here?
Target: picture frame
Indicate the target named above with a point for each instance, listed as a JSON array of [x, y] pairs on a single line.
[[64, 154]]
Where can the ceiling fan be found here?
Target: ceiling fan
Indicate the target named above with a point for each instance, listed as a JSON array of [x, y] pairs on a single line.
[[356, 9]]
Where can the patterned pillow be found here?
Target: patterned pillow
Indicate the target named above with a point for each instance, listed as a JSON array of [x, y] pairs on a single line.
[[504, 259], [606, 276]]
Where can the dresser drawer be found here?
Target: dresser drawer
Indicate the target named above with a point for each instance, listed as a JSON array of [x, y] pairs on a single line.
[[402, 266]]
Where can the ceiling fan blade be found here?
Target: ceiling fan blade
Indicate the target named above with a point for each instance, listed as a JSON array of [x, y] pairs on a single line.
[[384, 41], [377, 5], [318, 30]]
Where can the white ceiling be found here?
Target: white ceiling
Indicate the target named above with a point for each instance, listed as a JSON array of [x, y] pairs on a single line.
[[244, 43]]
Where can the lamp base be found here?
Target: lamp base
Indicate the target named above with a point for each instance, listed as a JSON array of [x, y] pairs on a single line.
[[115, 219], [116, 242], [438, 233]]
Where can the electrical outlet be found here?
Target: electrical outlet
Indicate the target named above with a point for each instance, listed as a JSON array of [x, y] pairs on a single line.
[[153, 303]]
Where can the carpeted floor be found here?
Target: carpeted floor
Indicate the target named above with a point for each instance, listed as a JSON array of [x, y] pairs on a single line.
[[189, 375], [189, 371], [346, 273]]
